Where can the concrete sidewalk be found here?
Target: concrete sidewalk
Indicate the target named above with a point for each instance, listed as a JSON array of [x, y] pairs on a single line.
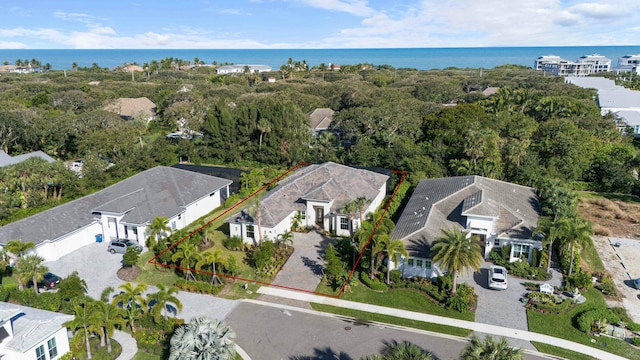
[[478, 327]]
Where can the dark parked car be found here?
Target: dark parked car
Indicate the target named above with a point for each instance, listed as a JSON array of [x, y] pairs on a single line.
[[120, 246], [49, 281]]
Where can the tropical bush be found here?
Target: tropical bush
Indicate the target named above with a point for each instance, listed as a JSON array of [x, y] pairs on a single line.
[[233, 243], [594, 321], [198, 287], [579, 280], [374, 284]]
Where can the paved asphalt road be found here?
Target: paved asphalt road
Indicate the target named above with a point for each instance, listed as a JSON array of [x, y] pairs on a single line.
[[273, 333]]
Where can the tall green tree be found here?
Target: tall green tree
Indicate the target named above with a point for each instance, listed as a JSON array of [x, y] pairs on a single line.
[[188, 256], [132, 299], [456, 252], [31, 268], [110, 316], [203, 338], [159, 228], [578, 233], [490, 349], [212, 257], [552, 231], [394, 249], [159, 300], [85, 319]]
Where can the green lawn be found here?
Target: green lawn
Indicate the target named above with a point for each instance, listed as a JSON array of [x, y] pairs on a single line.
[[558, 351], [367, 316], [562, 326], [406, 299]]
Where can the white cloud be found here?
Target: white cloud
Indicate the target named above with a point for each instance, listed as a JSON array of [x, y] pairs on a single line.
[[12, 45], [597, 10], [354, 7]]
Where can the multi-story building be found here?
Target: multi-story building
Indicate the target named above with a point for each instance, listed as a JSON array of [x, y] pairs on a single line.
[[628, 63], [585, 65]]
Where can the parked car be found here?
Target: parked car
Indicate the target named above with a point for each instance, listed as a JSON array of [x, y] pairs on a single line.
[[497, 278], [49, 281], [120, 246]]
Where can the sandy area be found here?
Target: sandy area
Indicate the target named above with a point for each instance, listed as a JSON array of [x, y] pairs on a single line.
[[623, 263]]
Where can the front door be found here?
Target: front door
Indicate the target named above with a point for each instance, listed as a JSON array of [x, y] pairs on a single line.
[[480, 239], [319, 217]]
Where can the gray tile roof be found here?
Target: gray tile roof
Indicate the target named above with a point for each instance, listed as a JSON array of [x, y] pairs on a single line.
[[321, 118], [618, 98], [441, 203], [323, 182], [591, 82], [630, 117], [30, 326], [6, 159], [160, 191]]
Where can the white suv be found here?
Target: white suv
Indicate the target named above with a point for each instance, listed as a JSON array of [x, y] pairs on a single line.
[[497, 278]]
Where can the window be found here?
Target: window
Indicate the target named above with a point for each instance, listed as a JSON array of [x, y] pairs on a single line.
[[410, 261], [496, 242], [418, 263], [344, 223], [173, 225], [40, 354], [427, 264], [303, 214], [521, 251], [53, 348], [250, 233]]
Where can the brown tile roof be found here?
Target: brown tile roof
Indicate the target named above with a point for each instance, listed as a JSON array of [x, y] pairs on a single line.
[[321, 118], [131, 108]]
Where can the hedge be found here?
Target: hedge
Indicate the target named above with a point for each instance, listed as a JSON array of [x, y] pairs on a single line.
[[198, 287], [373, 284]]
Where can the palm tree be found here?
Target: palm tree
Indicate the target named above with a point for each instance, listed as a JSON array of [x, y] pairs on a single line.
[[211, 258], [551, 230], [159, 226], [490, 349], [15, 249], [160, 299], [360, 203], [264, 127], [456, 252], [203, 338], [393, 249], [188, 256], [31, 268], [109, 317], [349, 208], [578, 232], [132, 300], [86, 319], [285, 239]]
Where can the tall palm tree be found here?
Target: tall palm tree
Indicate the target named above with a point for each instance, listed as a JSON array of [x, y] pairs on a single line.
[[165, 295], [158, 227], [264, 127], [393, 249], [456, 252], [552, 230], [578, 232], [109, 317], [86, 319], [360, 204], [203, 338], [15, 249], [188, 256], [212, 257], [349, 208], [490, 349], [132, 300], [31, 268]]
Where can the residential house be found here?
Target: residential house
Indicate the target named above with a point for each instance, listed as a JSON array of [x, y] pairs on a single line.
[[320, 120], [495, 213], [317, 193], [132, 68], [629, 120], [123, 210], [6, 159], [27, 333], [241, 68], [628, 63], [133, 108]]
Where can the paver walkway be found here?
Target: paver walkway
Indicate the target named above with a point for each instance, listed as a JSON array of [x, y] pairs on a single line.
[[129, 345], [474, 326]]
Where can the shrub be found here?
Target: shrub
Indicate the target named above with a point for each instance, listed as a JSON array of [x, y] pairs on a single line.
[[592, 321], [198, 287], [506, 252], [636, 341], [372, 284], [233, 243], [464, 298], [231, 200], [535, 258], [607, 287], [395, 276], [580, 280], [263, 255], [444, 283]]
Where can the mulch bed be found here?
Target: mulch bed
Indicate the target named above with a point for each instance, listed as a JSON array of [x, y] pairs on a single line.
[[128, 274]]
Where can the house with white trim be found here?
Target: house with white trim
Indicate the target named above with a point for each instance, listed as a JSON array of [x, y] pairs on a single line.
[[241, 68], [27, 333], [121, 211], [493, 212], [6, 159], [316, 193]]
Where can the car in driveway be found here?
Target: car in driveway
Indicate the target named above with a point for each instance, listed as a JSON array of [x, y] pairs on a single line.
[[49, 281], [120, 246], [497, 278]]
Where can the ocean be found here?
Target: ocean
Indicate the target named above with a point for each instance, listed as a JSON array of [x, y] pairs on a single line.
[[418, 58]]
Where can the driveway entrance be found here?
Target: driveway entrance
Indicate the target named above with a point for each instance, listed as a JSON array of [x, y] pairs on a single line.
[[304, 269]]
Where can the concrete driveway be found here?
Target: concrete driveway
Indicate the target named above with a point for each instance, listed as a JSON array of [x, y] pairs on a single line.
[[304, 268], [98, 269], [503, 307]]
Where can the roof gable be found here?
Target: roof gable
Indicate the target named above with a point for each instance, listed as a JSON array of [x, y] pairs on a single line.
[[31, 326]]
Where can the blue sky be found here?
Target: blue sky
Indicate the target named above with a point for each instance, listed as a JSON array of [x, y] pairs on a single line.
[[291, 24]]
